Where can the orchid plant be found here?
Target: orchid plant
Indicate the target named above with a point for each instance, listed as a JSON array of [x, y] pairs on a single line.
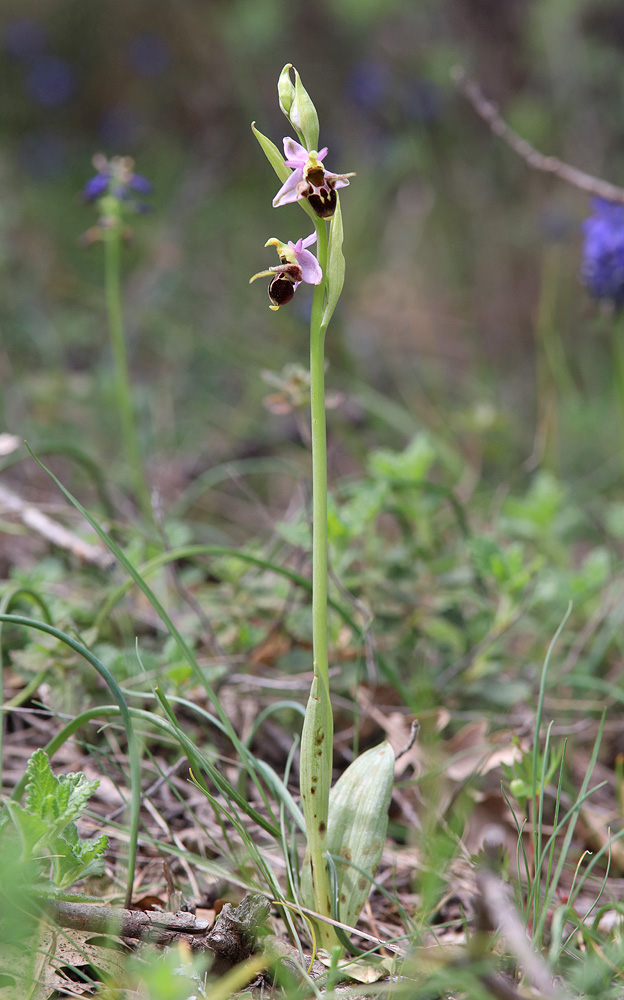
[[345, 825]]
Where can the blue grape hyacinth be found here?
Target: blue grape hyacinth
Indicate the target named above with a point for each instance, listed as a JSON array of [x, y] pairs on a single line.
[[602, 269], [116, 177]]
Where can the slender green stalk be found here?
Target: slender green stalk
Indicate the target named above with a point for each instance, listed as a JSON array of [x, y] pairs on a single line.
[[112, 258], [319, 469], [318, 729], [618, 364]]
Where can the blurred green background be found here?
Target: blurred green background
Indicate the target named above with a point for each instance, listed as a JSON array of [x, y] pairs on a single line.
[[462, 310]]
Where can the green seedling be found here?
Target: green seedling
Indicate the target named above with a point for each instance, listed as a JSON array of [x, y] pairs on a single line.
[[45, 827]]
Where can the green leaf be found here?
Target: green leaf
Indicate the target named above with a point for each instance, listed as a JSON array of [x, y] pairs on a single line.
[[74, 791], [272, 154], [58, 801], [45, 824], [335, 265], [42, 784], [77, 858], [357, 827], [410, 465], [32, 830]]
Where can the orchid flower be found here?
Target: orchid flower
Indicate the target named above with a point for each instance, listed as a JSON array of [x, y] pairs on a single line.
[[310, 179], [297, 264]]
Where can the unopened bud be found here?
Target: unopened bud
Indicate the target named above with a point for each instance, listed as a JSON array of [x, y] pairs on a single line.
[[297, 105], [285, 90]]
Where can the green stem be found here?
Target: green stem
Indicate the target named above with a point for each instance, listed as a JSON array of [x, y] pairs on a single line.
[[618, 362], [112, 257], [317, 736], [319, 469]]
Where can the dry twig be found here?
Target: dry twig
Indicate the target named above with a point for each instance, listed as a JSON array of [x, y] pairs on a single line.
[[531, 156], [55, 533]]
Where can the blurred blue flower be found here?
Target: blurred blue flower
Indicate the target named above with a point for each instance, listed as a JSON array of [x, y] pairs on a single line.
[[369, 84], [24, 38], [120, 127], [422, 101], [42, 154], [602, 269], [116, 177], [50, 81], [148, 55]]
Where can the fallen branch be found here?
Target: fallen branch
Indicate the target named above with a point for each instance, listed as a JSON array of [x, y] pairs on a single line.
[[54, 532], [531, 156], [231, 939]]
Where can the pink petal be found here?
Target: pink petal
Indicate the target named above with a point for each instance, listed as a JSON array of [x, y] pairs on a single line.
[[309, 240], [322, 153], [297, 247], [295, 151], [288, 190], [310, 268], [339, 180]]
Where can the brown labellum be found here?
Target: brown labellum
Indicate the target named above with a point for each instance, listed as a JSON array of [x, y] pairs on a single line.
[[281, 289]]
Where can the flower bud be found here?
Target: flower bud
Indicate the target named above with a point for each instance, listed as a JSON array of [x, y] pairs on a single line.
[[297, 105], [285, 90]]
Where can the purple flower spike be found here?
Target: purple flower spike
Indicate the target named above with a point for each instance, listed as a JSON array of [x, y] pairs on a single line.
[[116, 177], [95, 187], [602, 269], [310, 180], [141, 184]]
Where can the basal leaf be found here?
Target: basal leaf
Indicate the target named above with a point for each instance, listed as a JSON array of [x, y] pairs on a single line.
[[358, 822]]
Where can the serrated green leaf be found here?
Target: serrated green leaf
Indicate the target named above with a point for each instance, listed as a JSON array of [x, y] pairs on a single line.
[[272, 154], [42, 784], [76, 858], [335, 265], [74, 791], [31, 829]]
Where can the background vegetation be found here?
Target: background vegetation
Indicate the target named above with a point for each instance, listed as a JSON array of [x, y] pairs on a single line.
[[476, 442]]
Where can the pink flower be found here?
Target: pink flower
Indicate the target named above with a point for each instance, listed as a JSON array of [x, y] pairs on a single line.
[[310, 179], [297, 264]]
